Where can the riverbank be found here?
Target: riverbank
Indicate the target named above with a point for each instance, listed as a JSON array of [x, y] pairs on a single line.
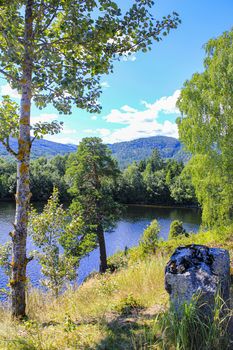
[[115, 311], [164, 206]]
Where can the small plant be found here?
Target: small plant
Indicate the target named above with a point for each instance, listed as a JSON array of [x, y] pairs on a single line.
[[118, 261], [69, 325], [177, 229], [128, 304], [46, 230], [107, 286], [149, 240], [5, 263]]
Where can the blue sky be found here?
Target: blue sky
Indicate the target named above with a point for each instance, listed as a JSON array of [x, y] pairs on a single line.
[[139, 98]]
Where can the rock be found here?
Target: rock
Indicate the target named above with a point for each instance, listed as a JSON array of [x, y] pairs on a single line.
[[198, 270]]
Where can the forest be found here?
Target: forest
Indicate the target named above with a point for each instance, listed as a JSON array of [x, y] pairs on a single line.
[[150, 181]]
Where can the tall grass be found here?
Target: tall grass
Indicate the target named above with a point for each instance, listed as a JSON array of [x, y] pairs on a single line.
[[190, 329]]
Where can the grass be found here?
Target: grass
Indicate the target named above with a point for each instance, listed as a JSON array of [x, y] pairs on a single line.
[[124, 310]]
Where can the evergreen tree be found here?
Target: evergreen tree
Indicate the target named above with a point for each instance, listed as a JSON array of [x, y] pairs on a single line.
[[91, 176]]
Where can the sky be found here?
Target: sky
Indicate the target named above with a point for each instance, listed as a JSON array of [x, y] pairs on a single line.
[[139, 98]]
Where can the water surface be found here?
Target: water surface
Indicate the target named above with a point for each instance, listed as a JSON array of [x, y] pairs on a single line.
[[127, 233]]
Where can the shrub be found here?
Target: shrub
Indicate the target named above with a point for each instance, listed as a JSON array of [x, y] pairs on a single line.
[[118, 261], [149, 240], [128, 304], [177, 229]]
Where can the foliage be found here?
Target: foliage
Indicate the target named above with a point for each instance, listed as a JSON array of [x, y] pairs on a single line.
[[47, 173], [72, 46], [206, 128], [5, 257], [182, 189], [155, 181], [5, 262], [117, 261], [10, 121], [177, 229], [91, 176], [46, 229], [149, 239], [128, 304], [137, 184]]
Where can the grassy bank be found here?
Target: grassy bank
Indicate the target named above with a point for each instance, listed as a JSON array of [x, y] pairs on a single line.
[[120, 310]]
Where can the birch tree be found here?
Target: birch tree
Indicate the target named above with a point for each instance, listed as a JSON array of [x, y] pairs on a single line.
[[206, 129], [55, 51]]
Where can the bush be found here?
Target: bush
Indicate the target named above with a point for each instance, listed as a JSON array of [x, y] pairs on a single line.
[[177, 229], [118, 261], [128, 304], [149, 240]]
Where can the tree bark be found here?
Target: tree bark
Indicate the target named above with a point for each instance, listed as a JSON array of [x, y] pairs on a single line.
[[19, 235], [102, 247]]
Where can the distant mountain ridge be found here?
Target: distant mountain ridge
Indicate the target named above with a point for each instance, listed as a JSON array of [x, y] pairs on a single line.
[[136, 150], [125, 152], [42, 148]]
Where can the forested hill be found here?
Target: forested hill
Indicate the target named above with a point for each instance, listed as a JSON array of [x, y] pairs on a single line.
[[124, 152], [42, 148], [136, 150]]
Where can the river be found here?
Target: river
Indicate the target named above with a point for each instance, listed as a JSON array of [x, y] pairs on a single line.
[[126, 233]]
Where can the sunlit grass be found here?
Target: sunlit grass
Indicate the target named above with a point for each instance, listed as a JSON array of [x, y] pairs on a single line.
[[87, 317]]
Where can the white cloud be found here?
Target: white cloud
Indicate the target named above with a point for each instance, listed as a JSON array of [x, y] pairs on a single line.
[[102, 132], [60, 139], [89, 131], [44, 117], [129, 109], [138, 130], [104, 84], [130, 115], [94, 117], [7, 90], [143, 123]]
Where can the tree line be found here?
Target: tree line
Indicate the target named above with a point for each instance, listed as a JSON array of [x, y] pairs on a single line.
[[150, 181]]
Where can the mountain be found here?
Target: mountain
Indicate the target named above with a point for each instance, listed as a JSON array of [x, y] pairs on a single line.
[[125, 152], [43, 148], [136, 150]]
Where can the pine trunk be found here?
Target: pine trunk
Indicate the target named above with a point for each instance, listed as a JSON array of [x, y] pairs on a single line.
[[19, 236], [102, 247]]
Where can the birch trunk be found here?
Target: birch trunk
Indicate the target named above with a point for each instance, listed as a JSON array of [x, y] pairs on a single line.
[[19, 236]]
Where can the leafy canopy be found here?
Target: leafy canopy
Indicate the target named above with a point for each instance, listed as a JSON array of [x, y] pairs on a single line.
[[73, 43], [206, 128], [51, 232]]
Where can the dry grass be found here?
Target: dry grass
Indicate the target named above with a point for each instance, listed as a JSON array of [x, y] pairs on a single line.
[[79, 318], [86, 317]]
